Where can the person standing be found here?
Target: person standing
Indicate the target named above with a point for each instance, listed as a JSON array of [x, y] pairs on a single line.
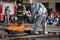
[[20, 13], [7, 10], [39, 12]]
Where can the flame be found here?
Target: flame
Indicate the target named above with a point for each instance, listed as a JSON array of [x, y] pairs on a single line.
[[19, 28]]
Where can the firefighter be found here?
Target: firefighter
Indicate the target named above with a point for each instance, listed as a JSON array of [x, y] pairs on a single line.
[[20, 13], [39, 13]]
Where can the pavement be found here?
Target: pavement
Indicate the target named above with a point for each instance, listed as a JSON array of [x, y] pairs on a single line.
[[50, 28]]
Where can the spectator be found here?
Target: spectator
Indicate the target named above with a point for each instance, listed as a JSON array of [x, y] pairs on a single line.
[[29, 16], [54, 13], [7, 10], [50, 20]]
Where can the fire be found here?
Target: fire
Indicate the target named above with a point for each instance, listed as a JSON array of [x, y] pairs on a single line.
[[19, 28]]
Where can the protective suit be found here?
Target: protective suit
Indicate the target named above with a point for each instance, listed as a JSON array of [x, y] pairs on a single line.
[[20, 14], [39, 12]]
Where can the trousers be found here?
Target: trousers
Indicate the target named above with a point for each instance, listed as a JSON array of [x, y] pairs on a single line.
[[40, 20]]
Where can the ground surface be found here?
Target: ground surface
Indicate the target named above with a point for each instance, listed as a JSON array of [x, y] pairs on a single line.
[[50, 28]]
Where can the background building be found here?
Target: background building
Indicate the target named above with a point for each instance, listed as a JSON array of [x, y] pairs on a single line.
[[49, 4]]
